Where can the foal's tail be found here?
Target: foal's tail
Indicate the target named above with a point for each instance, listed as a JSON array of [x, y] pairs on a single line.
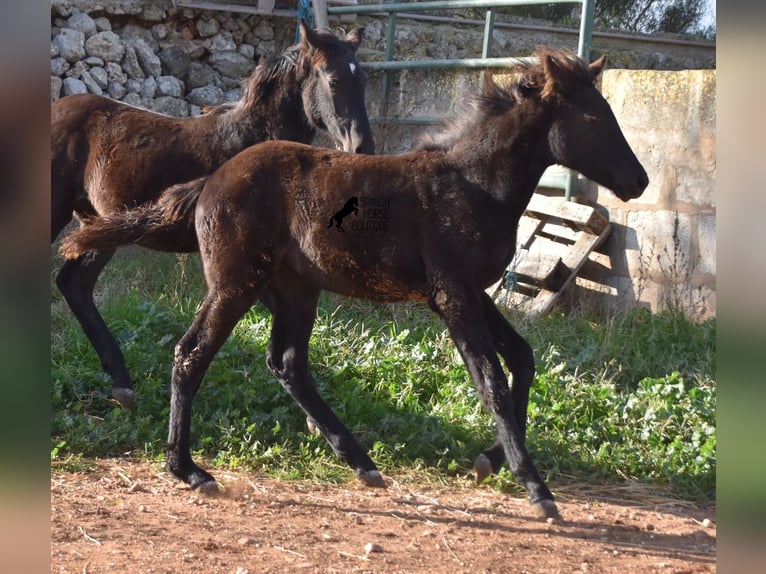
[[166, 224]]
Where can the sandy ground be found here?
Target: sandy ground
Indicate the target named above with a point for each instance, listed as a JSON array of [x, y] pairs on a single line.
[[126, 516]]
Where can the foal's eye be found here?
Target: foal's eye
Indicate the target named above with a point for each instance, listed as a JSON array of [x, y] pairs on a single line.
[[333, 83], [591, 118]]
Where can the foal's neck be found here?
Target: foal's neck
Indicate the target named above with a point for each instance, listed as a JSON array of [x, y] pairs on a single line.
[[507, 155], [276, 115]]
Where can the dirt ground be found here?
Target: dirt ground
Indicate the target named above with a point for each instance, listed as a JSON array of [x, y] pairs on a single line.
[[124, 516]]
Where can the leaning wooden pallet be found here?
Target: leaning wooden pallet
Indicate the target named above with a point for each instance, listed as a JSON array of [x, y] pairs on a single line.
[[555, 239]]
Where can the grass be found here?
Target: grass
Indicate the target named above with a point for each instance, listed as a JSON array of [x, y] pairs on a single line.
[[631, 396]]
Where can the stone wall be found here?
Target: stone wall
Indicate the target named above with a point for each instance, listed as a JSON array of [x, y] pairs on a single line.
[[149, 54], [662, 251]]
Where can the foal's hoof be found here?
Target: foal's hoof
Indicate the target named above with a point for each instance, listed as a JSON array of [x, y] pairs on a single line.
[[126, 397], [546, 509], [482, 468], [312, 426], [372, 478], [208, 488]]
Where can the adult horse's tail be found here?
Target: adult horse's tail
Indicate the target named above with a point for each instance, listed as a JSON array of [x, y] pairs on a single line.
[[165, 225]]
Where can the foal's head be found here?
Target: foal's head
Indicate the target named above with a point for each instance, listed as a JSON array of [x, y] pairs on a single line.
[[321, 75], [333, 87], [584, 133], [558, 91]]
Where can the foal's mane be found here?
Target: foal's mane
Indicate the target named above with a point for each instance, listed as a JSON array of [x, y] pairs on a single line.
[[293, 65], [528, 79]]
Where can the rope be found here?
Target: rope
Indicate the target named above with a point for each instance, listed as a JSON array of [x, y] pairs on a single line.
[[305, 12]]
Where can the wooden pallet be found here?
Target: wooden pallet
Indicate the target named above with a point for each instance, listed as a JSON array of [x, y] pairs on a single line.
[[555, 238]]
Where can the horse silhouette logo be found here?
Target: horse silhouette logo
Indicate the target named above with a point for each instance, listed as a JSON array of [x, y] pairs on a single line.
[[348, 209]]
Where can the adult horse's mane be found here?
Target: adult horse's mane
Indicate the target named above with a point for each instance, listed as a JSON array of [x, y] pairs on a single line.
[[527, 78]]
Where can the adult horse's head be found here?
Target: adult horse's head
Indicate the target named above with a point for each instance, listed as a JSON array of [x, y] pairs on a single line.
[[333, 88], [584, 135]]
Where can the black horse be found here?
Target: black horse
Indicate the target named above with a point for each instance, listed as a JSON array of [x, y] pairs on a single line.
[[455, 205], [107, 156]]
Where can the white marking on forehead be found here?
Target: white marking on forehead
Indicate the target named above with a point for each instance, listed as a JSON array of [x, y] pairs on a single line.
[[352, 67]]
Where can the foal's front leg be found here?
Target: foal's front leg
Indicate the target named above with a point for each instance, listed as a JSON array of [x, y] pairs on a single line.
[[461, 309], [519, 359]]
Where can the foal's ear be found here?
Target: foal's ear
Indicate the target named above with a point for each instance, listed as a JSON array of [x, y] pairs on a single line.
[[598, 66], [557, 77], [308, 36], [355, 37]]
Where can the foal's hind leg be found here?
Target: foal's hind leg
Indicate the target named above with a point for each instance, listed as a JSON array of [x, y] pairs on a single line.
[[193, 355], [519, 359], [461, 308], [294, 315], [76, 281]]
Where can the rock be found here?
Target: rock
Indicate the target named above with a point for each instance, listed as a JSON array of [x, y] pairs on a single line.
[[245, 540], [100, 76], [115, 73], [222, 42], [233, 96], [232, 64], [132, 34], [73, 86], [200, 75], [160, 31], [91, 83], [247, 50], [56, 84], [133, 86], [131, 66], [116, 91], [264, 31], [371, 547], [206, 96], [175, 61], [266, 48], [147, 59], [171, 107], [148, 88], [170, 86], [133, 99], [103, 24], [82, 23], [70, 44], [105, 45], [207, 27], [59, 66]]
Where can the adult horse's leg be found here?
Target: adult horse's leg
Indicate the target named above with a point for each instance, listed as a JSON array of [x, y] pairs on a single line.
[[193, 355], [76, 280], [294, 315], [520, 360], [461, 309]]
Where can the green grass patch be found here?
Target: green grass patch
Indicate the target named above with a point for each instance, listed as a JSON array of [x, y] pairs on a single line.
[[631, 396]]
